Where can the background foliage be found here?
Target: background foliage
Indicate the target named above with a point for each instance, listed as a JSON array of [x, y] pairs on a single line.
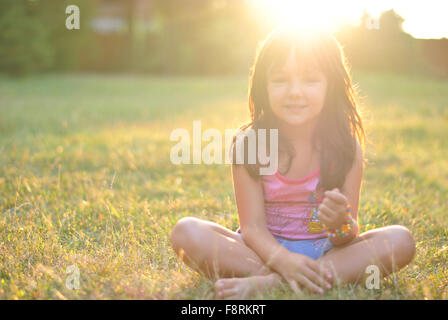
[[184, 37]]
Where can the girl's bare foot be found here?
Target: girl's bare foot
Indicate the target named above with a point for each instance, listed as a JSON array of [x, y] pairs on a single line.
[[243, 288]]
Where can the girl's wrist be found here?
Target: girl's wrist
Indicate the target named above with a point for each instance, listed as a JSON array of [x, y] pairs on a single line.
[[277, 259], [344, 229]]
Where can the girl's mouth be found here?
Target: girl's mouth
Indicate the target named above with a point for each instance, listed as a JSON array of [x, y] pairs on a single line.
[[295, 107]]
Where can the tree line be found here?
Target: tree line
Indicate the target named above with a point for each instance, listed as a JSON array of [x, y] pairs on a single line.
[[183, 37]]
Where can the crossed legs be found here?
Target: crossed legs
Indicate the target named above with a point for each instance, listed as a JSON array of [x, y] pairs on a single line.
[[220, 253]]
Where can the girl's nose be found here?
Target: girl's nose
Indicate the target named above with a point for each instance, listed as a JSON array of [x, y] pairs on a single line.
[[295, 88]]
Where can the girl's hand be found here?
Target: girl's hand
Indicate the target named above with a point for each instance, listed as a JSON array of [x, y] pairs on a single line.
[[333, 209], [299, 269]]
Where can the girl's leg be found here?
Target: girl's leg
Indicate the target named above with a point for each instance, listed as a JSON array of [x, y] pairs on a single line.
[[389, 248], [217, 252], [214, 250]]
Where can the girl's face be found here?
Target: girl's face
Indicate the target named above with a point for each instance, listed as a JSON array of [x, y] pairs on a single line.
[[296, 95]]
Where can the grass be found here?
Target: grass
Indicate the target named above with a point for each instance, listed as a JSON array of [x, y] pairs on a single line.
[[86, 180]]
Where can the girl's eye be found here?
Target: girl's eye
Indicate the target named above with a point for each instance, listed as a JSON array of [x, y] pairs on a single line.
[[279, 79], [311, 79]]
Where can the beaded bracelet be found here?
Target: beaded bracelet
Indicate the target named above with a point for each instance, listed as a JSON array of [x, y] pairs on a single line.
[[345, 228]]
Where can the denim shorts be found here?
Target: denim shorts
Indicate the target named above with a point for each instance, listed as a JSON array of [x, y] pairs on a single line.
[[314, 248]]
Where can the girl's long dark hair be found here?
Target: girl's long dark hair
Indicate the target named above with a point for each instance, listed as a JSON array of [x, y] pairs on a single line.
[[339, 127]]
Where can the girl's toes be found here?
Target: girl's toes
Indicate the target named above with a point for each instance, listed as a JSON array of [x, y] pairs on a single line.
[[226, 293], [219, 285], [224, 284]]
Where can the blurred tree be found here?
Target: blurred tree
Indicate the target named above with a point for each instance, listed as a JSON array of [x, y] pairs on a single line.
[[435, 53], [180, 36], [382, 46], [70, 47], [34, 36], [201, 36], [24, 39]]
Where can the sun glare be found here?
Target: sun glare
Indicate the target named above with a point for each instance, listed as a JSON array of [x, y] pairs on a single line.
[[422, 19], [309, 14]]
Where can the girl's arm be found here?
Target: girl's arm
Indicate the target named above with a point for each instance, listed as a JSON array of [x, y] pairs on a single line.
[[351, 191], [250, 203]]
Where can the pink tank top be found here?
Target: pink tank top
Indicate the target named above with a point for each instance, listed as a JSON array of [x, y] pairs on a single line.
[[291, 206]]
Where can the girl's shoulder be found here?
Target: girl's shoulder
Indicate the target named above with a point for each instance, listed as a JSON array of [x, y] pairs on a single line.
[[243, 142], [244, 131]]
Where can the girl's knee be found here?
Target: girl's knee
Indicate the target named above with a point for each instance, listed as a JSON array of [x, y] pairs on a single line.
[[184, 232], [403, 243]]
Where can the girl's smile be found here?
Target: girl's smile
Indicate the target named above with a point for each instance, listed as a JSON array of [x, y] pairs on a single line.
[[294, 107]]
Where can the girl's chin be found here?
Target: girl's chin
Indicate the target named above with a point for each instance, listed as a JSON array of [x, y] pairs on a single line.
[[294, 120]]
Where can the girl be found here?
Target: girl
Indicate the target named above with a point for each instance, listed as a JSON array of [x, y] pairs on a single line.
[[298, 225]]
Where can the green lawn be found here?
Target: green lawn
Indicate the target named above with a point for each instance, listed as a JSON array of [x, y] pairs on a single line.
[[86, 180]]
